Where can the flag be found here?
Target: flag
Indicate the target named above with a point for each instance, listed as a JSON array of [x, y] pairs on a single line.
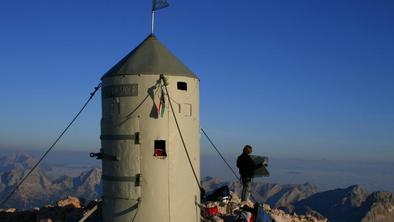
[[159, 4], [162, 104]]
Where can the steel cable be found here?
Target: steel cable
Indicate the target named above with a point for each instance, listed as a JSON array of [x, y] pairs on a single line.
[[232, 170], [180, 134], [51, 147], [217, 150]]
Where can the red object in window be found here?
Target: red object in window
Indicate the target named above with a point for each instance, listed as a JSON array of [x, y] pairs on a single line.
[[213, 210], [160, 152]]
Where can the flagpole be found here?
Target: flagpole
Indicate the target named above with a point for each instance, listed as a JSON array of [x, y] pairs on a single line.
[[152, 22], [156, 5]]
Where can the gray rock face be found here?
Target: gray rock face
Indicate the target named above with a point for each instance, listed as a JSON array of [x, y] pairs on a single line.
[[276, 195], [379, 207], [39, 188], [67, 210], [283, 195], [17, 160], [336, 205], [352, 204]]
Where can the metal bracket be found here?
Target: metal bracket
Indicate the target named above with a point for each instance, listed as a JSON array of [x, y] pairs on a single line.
[[104, 156], [138, 180], [137, 138], [98, 156]]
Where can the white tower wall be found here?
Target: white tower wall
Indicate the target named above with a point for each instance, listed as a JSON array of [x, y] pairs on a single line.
[[138, 186]]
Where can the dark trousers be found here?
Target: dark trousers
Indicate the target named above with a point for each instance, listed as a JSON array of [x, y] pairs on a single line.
[[246, 184]]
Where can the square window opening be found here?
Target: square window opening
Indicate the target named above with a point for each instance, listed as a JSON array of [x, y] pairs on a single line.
[[182, 86], [160, 148]]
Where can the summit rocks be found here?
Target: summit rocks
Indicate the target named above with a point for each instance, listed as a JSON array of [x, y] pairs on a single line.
[[67, 210], [351, 204], [70, 201], [285, 202]]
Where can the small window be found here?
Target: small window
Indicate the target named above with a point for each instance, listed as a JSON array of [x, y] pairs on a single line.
[[182, 86], [160, 148]]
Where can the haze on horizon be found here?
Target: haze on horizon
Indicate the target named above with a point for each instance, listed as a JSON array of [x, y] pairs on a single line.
[[295, 79]]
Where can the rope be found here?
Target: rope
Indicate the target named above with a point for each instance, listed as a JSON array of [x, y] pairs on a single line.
[[180, 134], [128, 116], [89, 213], [184, 145], [51, 147], [136, 212], [217, 150], [228, 165]]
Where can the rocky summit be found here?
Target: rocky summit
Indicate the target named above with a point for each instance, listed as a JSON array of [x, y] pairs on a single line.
[[69, 209], [352, 204], [66, 197], [72, 209]]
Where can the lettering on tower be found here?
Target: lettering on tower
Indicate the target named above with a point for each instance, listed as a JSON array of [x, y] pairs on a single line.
[[120, 90]]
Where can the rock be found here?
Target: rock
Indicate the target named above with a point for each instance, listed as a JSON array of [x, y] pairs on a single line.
[[10, 210], [69, 201], [36, 209], [18, 216], [70, 209], [266, 207], [248, 203], [41, 188], [68, 213], [277, 195], [229, 211], [234, 197]]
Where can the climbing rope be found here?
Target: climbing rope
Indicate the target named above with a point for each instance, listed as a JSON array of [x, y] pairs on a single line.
[[180, 132], [217, 150], [162, 78], [228, 165], [52, 146]]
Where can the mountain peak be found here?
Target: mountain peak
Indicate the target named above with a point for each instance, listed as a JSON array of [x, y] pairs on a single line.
[[17, 160]]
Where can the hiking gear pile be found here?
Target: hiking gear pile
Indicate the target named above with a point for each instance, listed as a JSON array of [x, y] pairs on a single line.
[[223, 205]]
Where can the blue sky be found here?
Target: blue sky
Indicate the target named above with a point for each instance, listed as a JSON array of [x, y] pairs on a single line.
[[298, 79]]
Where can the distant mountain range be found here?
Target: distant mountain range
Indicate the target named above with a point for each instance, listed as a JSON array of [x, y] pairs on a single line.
[[350, 204], [276, 195], [40, 188]]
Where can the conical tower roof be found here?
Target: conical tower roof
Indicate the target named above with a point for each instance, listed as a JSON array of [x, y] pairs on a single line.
[[150, 57]]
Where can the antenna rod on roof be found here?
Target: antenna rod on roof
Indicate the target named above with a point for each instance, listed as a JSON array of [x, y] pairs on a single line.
[[152, 22], [156, 5]]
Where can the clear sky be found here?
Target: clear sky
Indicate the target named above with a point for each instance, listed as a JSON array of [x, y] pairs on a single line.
[[295, 78]]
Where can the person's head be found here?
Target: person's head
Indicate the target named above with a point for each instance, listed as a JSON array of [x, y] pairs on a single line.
[[247, 149]]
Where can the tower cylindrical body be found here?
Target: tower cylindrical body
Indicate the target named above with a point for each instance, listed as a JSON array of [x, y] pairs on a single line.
[[146, 173]]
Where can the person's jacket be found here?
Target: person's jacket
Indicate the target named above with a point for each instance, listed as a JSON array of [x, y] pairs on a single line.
[[246, 165]]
